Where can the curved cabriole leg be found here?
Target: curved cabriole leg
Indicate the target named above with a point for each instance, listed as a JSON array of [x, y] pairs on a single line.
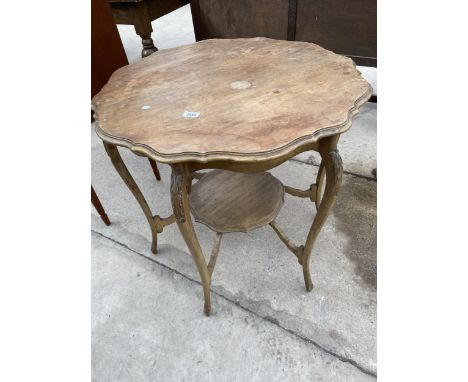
[[180, 181], [119, 165], [332, 164]]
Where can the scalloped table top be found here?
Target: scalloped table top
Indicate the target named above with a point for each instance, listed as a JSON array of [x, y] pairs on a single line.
[[239, 99]]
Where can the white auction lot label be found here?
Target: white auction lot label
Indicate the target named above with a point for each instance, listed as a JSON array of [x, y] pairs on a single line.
[[191, 114]]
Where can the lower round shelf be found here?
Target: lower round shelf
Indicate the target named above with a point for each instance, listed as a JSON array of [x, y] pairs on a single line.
[[228, 201]]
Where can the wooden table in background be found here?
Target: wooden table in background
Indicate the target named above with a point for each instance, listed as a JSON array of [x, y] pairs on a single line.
[[343, 26], [140, 13], [241, 107]]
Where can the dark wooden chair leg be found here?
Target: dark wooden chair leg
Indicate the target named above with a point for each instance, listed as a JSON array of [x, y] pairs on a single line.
[[99, 208], [154, 166], [143, 29]]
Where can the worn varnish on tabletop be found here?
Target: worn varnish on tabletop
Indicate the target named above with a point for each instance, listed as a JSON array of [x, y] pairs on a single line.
[[229, 99]]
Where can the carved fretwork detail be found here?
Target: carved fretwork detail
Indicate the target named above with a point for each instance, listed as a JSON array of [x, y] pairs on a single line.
[[177, 181], [337, 168]]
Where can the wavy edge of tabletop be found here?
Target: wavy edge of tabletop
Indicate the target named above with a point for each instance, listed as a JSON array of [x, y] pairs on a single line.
[[288, 150]]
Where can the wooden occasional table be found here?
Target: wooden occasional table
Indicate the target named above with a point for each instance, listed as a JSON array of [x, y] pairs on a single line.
[[240, 107]]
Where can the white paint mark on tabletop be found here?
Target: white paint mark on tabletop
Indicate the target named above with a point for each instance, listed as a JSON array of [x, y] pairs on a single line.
[[240, 85]]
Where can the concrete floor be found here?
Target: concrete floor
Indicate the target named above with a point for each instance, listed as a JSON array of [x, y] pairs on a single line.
[[147, 319]]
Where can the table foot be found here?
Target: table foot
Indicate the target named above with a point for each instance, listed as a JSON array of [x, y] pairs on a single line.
[[99, 208], [308, 281], [180, 181], [154, 244], [148, 47]]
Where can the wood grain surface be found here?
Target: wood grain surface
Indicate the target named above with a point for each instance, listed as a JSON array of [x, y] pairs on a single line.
[[228, 201], [256, 98]]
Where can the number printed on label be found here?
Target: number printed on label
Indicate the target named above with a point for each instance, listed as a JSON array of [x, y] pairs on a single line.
[[191, 114]]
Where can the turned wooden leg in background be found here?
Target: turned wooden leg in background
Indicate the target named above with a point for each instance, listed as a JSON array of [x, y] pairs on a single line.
[[143, 29], [180, 181], [119, 165], [154, 166], [99, 208], [333, 167]]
